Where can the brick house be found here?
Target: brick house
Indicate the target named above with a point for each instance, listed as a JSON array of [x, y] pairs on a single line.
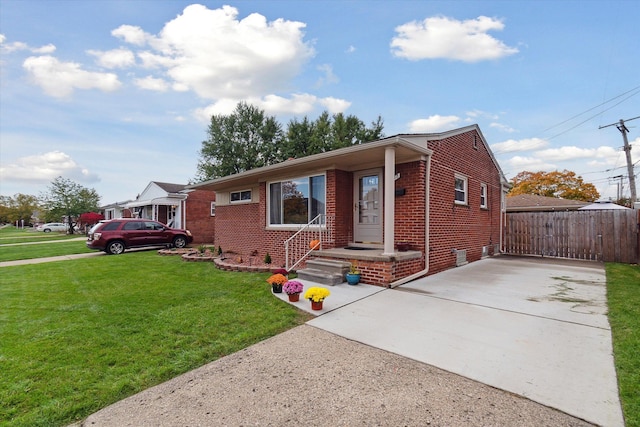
[[440, 194], [174, 205]]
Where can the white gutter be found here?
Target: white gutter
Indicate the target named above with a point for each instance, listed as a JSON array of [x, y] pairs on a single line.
[[426, 235]]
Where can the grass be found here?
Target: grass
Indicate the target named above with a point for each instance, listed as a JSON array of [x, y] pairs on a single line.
[[623, 295], [74, 340], [42, 250], [11, 234]]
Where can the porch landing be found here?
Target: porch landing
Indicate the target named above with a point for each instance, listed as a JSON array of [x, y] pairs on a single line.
[[365, 254], [375, 267]]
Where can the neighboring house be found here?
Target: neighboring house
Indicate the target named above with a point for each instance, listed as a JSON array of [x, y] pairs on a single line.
[[535, 203], [160, 201], [441, 193], [603, 205], [116, 210], [173, 205]]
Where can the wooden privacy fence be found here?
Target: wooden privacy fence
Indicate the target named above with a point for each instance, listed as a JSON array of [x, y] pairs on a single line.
[[600, 235]]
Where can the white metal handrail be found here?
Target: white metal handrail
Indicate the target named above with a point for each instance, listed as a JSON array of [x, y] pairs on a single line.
[[297, 247]]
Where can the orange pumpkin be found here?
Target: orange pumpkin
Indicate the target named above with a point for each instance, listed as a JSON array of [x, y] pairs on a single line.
[[314, 244]]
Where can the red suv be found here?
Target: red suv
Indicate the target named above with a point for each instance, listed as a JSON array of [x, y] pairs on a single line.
[[115, 235]]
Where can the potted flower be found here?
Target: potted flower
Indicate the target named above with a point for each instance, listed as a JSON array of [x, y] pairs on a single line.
[[276, 281], [353, 276], [293, 288], [280, 271], [316, 295]]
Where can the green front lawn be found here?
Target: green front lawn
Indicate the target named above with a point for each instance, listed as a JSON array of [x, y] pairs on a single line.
[[76, 336], [42, 250], [623, 295]]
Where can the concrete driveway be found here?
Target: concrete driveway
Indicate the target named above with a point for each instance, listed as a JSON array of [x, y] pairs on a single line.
[[534, 327]]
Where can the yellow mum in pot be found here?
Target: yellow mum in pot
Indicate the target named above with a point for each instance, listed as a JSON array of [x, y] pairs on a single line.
[[316, 294]]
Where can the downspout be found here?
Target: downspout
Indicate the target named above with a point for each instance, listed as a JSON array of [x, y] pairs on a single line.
[[426, 234], [503, 216]]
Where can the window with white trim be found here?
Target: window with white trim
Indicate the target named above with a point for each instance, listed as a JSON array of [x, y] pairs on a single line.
[[461, 189], [240, 196], [213, 208], [483, 195], [296, 201]]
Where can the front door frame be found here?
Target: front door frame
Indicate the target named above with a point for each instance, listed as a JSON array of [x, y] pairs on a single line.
[[368, 233]]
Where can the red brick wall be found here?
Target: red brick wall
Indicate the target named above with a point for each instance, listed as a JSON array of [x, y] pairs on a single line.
[[410, 208], [455, 226], [198, 218], [340, 204]]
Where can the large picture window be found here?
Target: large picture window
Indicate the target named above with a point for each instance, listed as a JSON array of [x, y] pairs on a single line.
[[296, 201]]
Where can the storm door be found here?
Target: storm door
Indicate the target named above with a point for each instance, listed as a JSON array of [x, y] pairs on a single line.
[[367, 213]]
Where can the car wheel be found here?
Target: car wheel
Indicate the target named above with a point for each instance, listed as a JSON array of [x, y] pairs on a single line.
[[115, 248], [46, 230], [180, 242]]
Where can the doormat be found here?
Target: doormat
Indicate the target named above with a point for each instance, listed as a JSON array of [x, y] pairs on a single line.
[[357, 248]]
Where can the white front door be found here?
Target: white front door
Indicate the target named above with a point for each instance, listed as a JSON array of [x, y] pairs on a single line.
[[367, 213]]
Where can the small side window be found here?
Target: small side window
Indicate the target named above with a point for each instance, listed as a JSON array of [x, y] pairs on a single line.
[[483, 195], [241, 196], [213, 208], [460, 189]]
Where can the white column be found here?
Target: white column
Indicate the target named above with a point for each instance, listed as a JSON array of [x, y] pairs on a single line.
[[389, 199]]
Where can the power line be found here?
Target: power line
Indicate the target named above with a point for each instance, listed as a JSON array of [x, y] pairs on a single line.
[[590, 109], [592, 117]]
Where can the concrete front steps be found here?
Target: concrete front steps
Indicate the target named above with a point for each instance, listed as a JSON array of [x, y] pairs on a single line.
[[325, 272]]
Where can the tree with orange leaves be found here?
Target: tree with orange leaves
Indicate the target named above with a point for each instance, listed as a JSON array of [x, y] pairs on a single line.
[[563, 185]]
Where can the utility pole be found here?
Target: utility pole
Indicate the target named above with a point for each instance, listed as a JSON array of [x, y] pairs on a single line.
[[619, 185], [627, 150]]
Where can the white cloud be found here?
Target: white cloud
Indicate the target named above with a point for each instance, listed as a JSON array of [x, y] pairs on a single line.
[[59, 79], [43, 168], [152, 83], [299, 104], [520, 163], [115, 58], [17, 46], [351, 49], [503, 128], [131, 34], [219, 56], [512, 145], [572, 153], [474, 114], [435, 123], [329, 77], [442, 37], [335, 105]]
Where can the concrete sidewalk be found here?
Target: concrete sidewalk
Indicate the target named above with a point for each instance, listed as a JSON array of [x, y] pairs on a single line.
[[533, 327], [49, 259], [421, 354]]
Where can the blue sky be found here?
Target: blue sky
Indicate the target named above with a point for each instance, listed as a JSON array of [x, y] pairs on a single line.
[[114, 94]]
